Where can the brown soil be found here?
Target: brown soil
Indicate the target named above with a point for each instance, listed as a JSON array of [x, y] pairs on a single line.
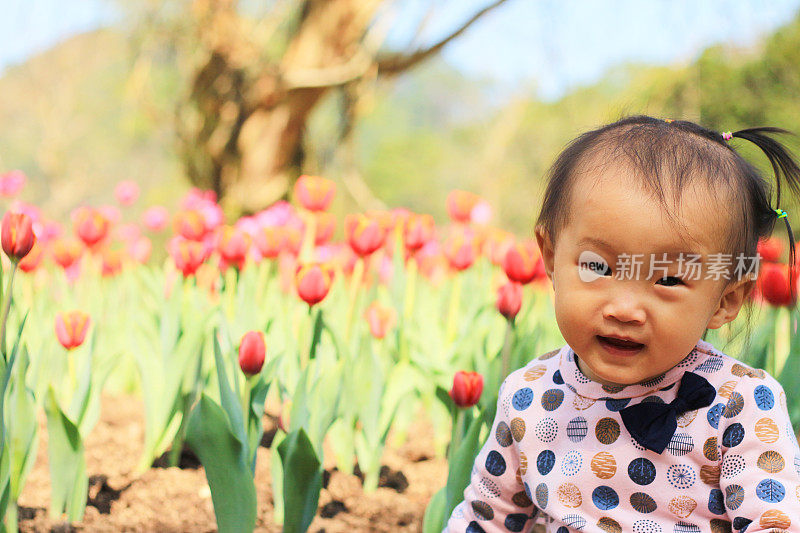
[[173, 499]]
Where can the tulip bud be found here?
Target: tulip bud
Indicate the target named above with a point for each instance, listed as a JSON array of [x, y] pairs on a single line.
[[315, 193], [17, 235], [313, 281], [270, 240], [66, 252], [417, 231], [775, 285], [467, 388], [190, 224], [380, 319], [522, 262], [233, 246], [188, 255], [11, 183], [460, 205], [509, 299], [111, 262], [90, 225], [71, 328], [461, 250], [155, 218], [770, 249], [364, 234], [252, 351], [126, 192]]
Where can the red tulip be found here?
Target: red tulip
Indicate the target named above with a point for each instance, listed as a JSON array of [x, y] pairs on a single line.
[[775, 285], [523, 262], [461, 250], [315, 193], [71, 328], [380, 319], [417, 231], [188, 255], [233, 245], [770, 249], [252, 352], [17, 235], [364, 234], [460, 205], [509, 299], [66, 252], [313, 281], [467, 388], [31, 262], [190, 224], [90, 225]]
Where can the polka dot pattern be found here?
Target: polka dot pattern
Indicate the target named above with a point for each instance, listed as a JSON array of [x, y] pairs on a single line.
[[560, 452]]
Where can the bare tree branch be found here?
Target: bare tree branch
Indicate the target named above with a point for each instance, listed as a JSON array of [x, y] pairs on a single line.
[[391, 64], [354, 68]]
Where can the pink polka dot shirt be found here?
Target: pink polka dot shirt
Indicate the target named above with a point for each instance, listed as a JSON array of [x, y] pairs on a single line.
[[559, 454]]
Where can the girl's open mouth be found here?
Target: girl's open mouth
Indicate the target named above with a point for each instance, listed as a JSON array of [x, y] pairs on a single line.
[[618, 346]]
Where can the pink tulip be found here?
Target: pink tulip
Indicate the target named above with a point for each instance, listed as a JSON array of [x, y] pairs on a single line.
[[155, 218], [11, 183], [126, 192]]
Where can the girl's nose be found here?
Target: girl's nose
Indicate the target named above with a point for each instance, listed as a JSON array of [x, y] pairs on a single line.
[[624, 308]]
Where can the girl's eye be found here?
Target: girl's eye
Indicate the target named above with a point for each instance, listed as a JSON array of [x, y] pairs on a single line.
[[669, 281]]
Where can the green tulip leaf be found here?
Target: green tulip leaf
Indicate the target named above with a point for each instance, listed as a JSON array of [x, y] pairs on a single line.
[[67, 463], [433, 522], [460, 466], [230, 401], [302, 481], [220, 451]]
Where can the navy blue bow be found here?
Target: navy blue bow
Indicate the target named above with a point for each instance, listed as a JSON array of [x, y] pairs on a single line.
[[653, 424]]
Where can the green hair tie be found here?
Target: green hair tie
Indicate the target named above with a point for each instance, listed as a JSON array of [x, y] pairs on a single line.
[[781, 213]]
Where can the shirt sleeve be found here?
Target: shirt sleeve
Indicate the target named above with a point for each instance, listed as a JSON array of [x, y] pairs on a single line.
[[760, 459], [496, 499]]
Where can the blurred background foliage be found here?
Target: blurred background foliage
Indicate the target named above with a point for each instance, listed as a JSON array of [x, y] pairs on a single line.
[[100, 107]]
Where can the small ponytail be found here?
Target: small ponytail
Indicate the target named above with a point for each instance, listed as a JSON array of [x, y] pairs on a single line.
[[785, 168]]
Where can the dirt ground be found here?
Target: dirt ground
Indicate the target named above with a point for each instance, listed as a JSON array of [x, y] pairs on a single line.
[[178, 499]]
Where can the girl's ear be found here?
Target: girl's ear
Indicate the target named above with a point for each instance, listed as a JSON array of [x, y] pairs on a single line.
[[731, 301], [546, 248]]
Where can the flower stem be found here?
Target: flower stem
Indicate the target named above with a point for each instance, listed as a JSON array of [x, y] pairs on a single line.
[[507, 348], [355, 285], [6, 309], [458, 434], [411, 289], [307, 248], [455, 302]]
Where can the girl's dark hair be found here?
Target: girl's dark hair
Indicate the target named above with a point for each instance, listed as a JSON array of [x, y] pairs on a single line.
[[669, 155]]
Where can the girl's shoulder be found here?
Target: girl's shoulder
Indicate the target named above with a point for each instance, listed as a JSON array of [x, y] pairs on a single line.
[[738, 381]]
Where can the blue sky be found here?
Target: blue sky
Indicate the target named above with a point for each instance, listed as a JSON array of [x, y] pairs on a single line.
[[549, 45]]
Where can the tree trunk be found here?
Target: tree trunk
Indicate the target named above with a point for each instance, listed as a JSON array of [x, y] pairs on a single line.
[[242, 134], [241, 128]]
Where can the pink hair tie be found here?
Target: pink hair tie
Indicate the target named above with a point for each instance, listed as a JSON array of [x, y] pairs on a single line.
[[726, 135]]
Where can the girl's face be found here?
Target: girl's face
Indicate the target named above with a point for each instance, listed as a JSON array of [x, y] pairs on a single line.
[[628, 326]]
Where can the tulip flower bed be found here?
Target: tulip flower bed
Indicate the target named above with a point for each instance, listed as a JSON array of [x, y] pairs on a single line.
[[314, 383]]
